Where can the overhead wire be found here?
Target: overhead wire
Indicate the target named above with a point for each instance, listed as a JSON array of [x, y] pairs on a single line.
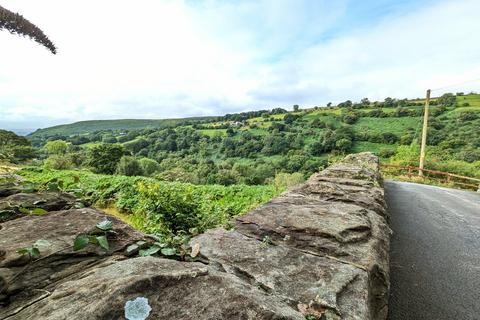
[[455, 85]]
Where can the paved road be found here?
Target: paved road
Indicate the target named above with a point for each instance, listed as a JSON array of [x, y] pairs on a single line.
[[435, 253]]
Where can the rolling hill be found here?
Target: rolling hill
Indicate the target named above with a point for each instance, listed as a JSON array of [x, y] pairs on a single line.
[[255, 147], [89, 126]]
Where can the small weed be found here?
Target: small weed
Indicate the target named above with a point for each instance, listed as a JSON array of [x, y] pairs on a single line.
[[266, 241], [34, 250]]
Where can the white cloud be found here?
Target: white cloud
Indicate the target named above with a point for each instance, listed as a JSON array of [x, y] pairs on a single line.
[[158, 59]]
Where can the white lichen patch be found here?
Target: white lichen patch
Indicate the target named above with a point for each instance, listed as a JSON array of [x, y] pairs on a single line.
[[137, 309]]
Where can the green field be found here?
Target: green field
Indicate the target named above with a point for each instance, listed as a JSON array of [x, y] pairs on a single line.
[[397, 126]]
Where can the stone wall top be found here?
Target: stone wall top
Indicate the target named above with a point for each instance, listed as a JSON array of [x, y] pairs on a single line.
[[319, 250]]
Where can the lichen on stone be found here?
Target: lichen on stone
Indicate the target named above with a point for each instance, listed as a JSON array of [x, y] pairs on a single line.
[[137, 309]]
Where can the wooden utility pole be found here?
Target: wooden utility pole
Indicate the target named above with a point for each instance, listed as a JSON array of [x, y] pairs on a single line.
[[424, 134]]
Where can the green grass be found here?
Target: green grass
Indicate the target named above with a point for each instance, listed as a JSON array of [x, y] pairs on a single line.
[[212, 132], [472, 99], [396, 126]]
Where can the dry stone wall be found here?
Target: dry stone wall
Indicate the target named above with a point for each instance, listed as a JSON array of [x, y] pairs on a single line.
[[319, 250]]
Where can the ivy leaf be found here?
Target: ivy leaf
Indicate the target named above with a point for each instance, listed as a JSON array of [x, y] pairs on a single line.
[[141, 243], [161, 244], [132, 248], [80, 242], [105, 225], [39, 211], [5, 214], [53, 186], [34, 252], [28, 188], [148, 252], [169, 251], [103, 242], [79, 205]]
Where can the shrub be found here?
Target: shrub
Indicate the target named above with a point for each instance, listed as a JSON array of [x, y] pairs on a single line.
[[56, 147], [388, 137], [129, 166], [406, 155], [386, 153], [350, 118], [467, 116], [287, 180], [343, 144], [58, 162], [149, 166]]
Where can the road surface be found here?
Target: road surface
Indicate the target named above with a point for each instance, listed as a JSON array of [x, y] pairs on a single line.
[[435, 252]]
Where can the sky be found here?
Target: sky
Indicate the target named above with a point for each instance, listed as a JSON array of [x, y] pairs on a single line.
[[164, 58]]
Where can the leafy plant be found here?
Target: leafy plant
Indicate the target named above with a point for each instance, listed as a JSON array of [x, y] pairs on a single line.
[[34, 250], [173, 247], [98, 236], [267, 241]]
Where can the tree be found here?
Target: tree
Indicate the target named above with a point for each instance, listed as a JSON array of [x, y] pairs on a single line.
[[17, 24], [56, 147], [290, 118], [343, 144], [149, 166], [15, 148], [21, 153], [365, 102], [296, 108], [129, 166], [389, 102], [9, 138], [103, 158], [346, 104], [447, 100]]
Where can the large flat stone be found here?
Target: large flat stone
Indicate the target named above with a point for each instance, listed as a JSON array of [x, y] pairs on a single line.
[[175, 291], [21, 276], [301, 279]]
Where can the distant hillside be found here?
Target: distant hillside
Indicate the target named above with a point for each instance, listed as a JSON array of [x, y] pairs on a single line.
[[115, 125], [257, 147]]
